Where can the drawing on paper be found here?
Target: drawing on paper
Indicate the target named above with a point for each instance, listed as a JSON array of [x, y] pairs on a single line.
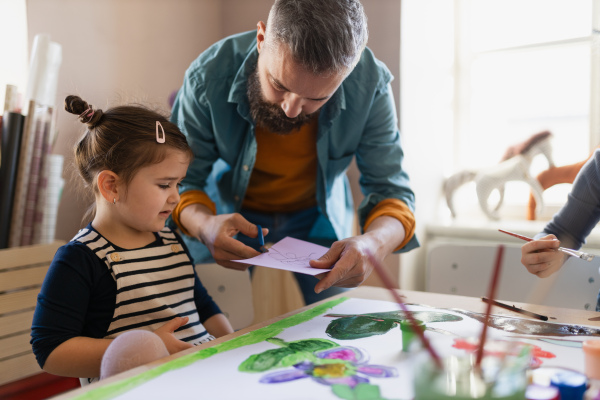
[[305, 352], [291, 258], [325, 362]]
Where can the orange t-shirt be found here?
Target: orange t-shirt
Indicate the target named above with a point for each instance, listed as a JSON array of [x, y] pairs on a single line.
[[284, 178]]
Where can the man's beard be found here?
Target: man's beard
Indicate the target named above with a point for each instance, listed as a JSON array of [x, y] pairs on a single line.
[[269, 115]]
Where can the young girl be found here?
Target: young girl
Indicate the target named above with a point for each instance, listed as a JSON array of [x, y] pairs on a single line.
[[124, 291]]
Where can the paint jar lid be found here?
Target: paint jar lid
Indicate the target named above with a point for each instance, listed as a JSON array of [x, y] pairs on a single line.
[[571, 384], [539, 392]]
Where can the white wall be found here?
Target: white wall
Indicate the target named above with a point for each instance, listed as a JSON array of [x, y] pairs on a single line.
[[427, 61], [117, 51]]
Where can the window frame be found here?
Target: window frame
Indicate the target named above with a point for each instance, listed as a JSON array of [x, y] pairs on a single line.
[[462, 94]]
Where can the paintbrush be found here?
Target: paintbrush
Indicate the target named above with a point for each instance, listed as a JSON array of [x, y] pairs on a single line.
[[515, 309], [491, 296], [571, 252], [387, 281]]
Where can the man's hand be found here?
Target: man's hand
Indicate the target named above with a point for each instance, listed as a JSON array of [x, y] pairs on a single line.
[[541, 257], [349, 261], [165, 333], [217, 233], [349, 258]]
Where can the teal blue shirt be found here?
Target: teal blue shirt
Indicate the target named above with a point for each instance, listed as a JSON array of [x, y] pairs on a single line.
[[359, 120]]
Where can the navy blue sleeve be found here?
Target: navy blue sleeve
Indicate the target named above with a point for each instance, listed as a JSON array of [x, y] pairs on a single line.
[[575, 220], [77, 298], [205, 305]]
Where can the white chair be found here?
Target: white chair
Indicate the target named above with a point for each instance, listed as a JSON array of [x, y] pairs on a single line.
[[22, 271], [465, 269]]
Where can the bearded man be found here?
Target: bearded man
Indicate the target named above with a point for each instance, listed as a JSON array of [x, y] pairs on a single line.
[[274, 117]]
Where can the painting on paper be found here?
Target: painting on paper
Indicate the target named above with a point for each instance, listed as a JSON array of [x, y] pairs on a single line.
[[342, 349]]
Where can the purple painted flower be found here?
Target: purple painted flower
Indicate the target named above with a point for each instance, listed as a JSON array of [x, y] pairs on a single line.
[[339, 365]]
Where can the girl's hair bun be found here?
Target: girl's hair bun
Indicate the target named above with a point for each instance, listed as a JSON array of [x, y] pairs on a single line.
[[86, 112]]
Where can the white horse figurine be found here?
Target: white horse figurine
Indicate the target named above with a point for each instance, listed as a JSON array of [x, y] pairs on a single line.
[[514, 167]]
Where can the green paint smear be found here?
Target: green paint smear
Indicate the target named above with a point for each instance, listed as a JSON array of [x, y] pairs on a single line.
[[356, 326], [362, 391], [257, 336], [349, 328]]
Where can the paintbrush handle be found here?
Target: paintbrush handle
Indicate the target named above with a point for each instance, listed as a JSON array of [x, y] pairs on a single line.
[[515, 309], [571, 252], [527, 239], [492, 294]]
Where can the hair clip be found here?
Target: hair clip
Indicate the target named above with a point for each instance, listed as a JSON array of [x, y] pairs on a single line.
[[89, 113], [158, 138]]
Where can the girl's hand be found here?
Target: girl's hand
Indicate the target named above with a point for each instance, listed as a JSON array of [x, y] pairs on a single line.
[[541, 257], [165, 332]]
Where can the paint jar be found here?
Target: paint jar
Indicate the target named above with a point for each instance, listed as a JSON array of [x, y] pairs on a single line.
[[410, 339], [501, 376], [591, 353], [571, 384]]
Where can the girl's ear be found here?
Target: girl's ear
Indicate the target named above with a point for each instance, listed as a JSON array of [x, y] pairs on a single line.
[[107, 182]]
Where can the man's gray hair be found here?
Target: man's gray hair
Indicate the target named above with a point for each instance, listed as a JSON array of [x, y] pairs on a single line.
[[324, 36]]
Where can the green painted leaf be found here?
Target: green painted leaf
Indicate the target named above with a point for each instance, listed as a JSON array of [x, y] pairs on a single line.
[[367, 391], [343, 392], [357, 327], [295, 358], [425, 316], [288, 354], [265, 360], [311, 345], [362, 391]]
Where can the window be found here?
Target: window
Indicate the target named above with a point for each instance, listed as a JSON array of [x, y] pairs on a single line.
[[515, 68], [13, 38]]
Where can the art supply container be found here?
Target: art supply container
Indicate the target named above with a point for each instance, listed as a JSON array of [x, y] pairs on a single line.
[[501, 376], [591, 353], [410, 339], [571, 384]]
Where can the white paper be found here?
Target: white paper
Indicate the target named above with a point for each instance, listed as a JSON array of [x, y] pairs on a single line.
[[218, 377], [291, 255]]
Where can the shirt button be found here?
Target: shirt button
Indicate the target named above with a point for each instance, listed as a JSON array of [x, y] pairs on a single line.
[[245, 168], [175, 248], [115, 257], [236, 198]]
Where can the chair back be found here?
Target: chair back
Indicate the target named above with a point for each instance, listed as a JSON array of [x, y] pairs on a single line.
[[22, 271]]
